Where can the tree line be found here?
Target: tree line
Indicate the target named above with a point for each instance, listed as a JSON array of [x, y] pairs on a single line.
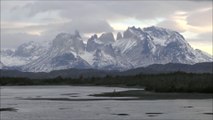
[[167, 82]]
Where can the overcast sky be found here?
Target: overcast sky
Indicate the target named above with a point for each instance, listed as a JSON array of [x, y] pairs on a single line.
[[23, 21]]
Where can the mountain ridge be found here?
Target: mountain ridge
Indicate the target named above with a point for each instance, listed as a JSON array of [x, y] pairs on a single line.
[[134, 48], [89, 73]]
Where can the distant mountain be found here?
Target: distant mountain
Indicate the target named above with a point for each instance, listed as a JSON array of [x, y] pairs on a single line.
[[63, 53], [206, 67], [88, 73], [134, 48], [24, 54]]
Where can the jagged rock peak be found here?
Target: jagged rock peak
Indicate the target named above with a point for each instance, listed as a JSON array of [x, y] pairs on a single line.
[[63, 36], [68, 42], [134, 28], [136, 48], [119, 36], [77, 34], [133, 32], [107, 37], [93, 37]]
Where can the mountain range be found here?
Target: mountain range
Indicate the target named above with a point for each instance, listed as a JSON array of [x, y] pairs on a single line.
[[134, 48], [88, 73]]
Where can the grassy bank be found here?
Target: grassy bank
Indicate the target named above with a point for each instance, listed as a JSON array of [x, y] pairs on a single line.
[[170, 82]]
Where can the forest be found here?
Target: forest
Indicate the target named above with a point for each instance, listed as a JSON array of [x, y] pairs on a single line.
[[167, 82]]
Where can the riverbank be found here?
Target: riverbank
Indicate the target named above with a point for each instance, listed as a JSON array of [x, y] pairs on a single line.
[[146, 95]]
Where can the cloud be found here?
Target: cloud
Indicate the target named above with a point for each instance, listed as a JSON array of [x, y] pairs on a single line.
[[114, 9], [12, 40], [172, 25], [201, 18], [202, 41], [86, 26], [106, 9], [17, 33], [44, 19], [203, 38]]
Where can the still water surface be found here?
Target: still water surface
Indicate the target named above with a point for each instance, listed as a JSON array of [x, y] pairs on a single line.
[[16, 97]]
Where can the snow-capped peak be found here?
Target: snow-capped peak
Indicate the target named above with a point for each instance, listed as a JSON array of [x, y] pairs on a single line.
[[162, 36], [23, 54], [133, 48], [68, 42], [158, 31], [135, 33], [29, 49]]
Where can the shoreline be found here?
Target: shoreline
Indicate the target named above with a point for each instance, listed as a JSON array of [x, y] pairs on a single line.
[[147, 95]]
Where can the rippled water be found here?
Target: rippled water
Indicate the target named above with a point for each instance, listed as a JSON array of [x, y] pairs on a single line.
[[16, 97]]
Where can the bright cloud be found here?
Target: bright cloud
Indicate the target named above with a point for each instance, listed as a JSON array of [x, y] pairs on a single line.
[[42, 20]]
